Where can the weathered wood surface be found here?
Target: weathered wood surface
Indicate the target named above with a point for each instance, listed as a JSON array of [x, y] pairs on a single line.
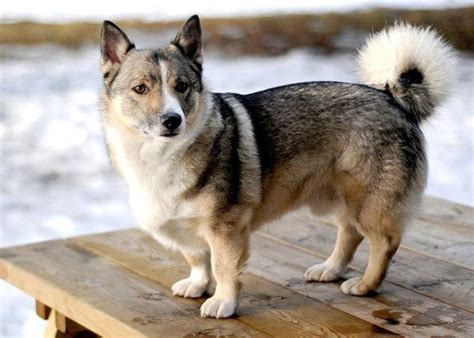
[[267, 306], [107, 299], [410, 268], [445, 230], [447, 213], [118, 283], [42, 310], [283, 264], [113, 292], [60, 326], [396, 308]]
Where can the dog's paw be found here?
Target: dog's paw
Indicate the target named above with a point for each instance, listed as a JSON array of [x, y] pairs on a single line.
[[323, 272], [218, 308], [189, 288], [355, 286]]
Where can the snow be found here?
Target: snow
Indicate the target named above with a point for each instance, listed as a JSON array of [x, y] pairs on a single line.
[[55, 177], [60, 11]]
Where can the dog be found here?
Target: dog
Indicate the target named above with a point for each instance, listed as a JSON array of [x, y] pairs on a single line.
[[204, 170]]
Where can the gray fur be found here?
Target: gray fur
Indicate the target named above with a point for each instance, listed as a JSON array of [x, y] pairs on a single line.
[[324, 120]]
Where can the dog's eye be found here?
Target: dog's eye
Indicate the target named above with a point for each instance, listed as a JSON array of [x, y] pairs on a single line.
[[181, 86], [140, 89]]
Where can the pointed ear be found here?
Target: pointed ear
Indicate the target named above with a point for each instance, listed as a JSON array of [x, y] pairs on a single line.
[[189, 39], [114, 45]]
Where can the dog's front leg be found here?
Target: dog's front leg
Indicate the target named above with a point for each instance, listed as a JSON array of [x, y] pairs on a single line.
[[229, 251], [199, 279]]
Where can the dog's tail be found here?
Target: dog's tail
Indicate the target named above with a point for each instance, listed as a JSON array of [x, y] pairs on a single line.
[[415, 64]]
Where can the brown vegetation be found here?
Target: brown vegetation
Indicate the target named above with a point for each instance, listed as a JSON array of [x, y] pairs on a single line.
[[264, 34]]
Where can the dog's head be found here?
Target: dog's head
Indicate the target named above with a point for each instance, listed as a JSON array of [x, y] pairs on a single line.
[[153, 91]]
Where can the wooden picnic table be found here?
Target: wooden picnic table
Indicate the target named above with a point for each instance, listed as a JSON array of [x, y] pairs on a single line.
[[117, 284]]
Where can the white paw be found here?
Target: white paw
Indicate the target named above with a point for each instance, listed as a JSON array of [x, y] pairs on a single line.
[[218, 308], [355, 286], [189, 288], [323, 272]]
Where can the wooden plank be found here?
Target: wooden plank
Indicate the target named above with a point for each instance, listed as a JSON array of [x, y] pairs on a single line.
[[266, 306], [42, 310], [442, 229], [396, 308], [437, 210], [429, 276], [450, 243], [104, 297], [67, 325], [61, 327], [285, 265], [443, 241], [51, 329]]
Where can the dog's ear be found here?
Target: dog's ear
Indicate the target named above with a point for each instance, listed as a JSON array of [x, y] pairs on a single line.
[[114, 45], [189, 40]]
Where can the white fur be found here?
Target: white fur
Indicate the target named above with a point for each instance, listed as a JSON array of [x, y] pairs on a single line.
[[324, 272], [351, 286], [156, 183], [195, 285], [170, 101], [389, 53], [249, 151], [217, 307]]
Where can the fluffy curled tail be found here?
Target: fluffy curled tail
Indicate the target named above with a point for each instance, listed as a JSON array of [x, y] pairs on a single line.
[[415, 64]]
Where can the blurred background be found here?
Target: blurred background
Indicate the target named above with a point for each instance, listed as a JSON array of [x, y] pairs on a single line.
[[55, 177]]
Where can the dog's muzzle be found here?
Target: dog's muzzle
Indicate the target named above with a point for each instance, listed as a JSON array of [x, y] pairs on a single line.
[[171, 121]]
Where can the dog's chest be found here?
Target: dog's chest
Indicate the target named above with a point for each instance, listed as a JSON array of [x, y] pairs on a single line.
[[156, 184], [155, 197]]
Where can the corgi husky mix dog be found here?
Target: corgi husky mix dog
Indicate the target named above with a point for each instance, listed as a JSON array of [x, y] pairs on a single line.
[[206, 169]]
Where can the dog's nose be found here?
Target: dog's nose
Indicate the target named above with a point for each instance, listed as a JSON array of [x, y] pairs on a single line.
[[171, 120]]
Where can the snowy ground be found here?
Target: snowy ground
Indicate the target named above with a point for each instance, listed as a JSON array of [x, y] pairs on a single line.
[[55, 177], [57, 11]]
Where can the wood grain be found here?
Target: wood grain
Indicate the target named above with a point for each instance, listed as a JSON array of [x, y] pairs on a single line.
[[446, 213], [442, 229], [51, 329], [270, 308], [283, 264], [425, 274], [42, 310], [396, 308], [107, 299], [67, 325]]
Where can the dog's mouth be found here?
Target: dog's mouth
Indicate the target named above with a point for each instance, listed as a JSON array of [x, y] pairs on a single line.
[[170, 134], [165, 134], [153, 132]]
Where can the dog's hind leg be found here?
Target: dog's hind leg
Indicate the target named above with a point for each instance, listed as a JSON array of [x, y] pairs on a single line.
[[199, 279], [384, 234], [348, 239]]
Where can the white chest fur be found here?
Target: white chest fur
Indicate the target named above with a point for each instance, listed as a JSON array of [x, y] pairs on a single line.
[[156, 181]]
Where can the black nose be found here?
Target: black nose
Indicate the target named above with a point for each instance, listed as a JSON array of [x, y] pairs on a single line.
[[171, 121]]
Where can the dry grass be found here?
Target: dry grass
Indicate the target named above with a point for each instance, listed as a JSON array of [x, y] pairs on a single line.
[[265, 34]]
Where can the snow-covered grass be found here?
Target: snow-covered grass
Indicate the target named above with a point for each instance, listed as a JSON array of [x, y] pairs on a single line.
[[55, 177], [57, 11]]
